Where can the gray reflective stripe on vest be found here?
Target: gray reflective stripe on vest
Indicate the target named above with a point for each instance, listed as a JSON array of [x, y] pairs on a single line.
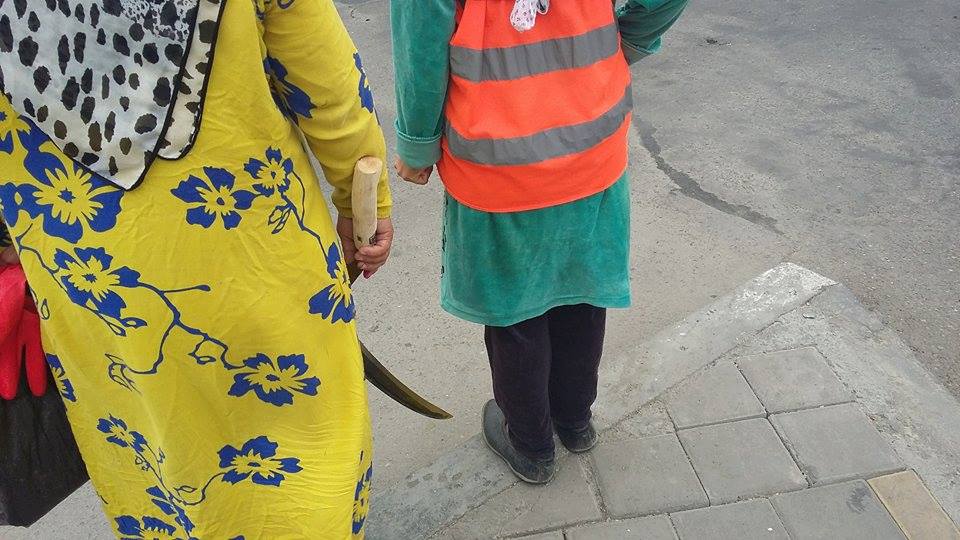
[[505, 63], [549, 144]]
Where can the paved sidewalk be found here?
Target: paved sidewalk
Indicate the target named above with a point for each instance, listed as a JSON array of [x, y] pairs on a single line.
[[782, 411]]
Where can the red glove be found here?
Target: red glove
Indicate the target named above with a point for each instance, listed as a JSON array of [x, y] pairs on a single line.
[[19, 336]]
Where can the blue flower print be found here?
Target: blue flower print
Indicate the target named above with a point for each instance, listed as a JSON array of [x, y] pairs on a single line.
[[12, 197], [170, 507], [255, 460], [290, 99], [279, 216], [272, 175], [336, 300], [69, 198], [361, 500], [282, 4], [11, 125], [130, 528], [91, 282], [60, 377], [366, 95], [118, 434], [275, 381], [213, 196]]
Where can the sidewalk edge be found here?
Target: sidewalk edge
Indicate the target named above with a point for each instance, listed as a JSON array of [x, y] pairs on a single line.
[[437, 495]]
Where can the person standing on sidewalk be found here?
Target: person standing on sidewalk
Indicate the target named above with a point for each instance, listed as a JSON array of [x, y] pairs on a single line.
[[525, 107], [197, 309]]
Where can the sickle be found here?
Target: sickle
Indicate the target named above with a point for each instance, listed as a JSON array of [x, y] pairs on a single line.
[[366, 177]]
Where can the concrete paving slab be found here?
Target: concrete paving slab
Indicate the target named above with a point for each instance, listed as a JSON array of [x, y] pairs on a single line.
[[793, 379], [646, 476], [434, 496], [740, 460], [524, 508], [912, 506], [717, 394], [912, 411], [78, 517], [639, 375], [555, 535], [652, 419], [849, 511], [747, 520], [645, 528], [836, 443]]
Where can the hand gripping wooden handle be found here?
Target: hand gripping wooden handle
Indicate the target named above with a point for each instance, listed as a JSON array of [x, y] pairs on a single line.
[[366, 178]]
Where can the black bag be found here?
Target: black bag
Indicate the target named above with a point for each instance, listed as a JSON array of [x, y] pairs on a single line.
[[40, 464]]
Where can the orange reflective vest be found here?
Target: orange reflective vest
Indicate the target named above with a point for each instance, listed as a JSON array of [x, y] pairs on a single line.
[[537, 118]]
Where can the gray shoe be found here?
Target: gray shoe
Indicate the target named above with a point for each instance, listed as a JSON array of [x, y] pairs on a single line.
[[495, 434], [579, 440]]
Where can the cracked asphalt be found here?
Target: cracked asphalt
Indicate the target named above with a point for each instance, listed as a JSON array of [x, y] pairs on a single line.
[[820, 133]]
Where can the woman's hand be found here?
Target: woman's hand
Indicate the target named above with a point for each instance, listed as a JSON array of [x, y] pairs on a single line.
[[345, 232], [411, 174], [369, 258], [8, 255]]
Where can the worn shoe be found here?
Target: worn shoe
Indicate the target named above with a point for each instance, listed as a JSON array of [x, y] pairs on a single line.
[[495, 434], [578, 441]]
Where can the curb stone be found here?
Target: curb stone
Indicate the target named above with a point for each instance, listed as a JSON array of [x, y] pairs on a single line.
[[913, 507]]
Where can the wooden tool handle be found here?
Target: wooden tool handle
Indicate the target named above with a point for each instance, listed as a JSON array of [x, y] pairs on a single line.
[[366, 178]]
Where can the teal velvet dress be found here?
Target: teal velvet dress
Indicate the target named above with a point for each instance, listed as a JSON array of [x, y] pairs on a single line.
[[503, 268]]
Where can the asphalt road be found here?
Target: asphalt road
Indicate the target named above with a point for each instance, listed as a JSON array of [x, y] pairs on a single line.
[[822, 133], [836, 125]]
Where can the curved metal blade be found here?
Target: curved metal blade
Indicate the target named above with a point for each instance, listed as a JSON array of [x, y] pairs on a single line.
[[381, 377], [389, 384]]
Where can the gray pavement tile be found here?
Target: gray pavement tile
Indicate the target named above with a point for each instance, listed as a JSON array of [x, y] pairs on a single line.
[[793, 379], [912, 506], [716, 394], [747, 520], [645, 528], [525, 508], [848, 511], [553, 535], [646, 476], [741, 460], [836, 443], [79, 516], [651, 419]]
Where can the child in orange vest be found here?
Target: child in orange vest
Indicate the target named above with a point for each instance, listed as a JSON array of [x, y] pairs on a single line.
[[525, 107]]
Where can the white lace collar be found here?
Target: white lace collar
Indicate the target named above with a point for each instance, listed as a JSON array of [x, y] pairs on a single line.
[[524, 15]]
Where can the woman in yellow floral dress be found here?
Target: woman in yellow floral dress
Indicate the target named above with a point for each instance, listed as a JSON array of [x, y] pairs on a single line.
[[200, 324]]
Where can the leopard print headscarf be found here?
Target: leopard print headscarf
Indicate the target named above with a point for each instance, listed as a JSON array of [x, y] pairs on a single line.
[[114, 83]]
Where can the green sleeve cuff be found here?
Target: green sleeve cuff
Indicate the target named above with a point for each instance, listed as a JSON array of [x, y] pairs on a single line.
[[634, 53], [418, 152]]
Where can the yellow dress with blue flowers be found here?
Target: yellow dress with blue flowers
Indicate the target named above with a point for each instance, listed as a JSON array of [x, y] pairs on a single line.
[[200, 326]]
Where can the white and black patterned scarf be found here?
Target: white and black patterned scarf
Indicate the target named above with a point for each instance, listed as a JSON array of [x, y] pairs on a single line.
[[115, 83]]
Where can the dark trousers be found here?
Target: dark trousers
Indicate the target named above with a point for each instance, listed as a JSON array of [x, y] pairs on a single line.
[[545, 372]]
